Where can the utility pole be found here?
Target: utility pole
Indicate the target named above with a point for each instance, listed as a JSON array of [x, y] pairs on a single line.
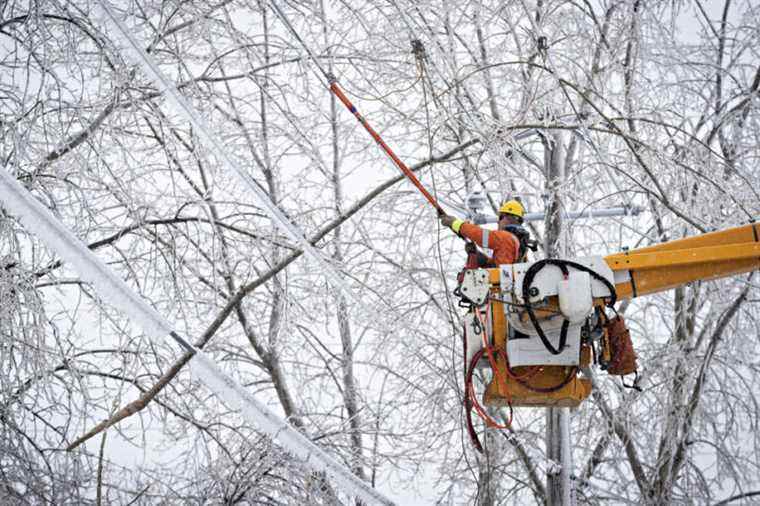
[[558, 483]]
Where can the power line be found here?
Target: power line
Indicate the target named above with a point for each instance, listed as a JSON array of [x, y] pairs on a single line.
[[112, 289], [213, 144]]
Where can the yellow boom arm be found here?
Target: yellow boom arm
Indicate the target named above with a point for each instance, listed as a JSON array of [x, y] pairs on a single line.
[[675, 263]]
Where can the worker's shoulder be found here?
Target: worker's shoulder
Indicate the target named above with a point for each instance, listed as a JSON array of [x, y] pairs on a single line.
[[506, 234]]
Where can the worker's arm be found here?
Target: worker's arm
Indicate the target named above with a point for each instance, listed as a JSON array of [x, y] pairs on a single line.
[[455, 224], [506, 246], [476, 234]]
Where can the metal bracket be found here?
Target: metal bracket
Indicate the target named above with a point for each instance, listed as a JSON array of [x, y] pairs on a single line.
[[475, 286]]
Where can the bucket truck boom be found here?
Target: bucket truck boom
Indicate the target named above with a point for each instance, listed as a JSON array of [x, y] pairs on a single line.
[[540, 319]]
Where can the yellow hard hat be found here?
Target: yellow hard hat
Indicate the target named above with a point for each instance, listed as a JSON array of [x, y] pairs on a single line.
[[512, 207]]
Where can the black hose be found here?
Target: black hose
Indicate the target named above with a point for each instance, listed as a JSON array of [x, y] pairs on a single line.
[[563, 265]]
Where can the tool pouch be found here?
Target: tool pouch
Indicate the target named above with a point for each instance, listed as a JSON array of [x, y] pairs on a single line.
[[622, 357]]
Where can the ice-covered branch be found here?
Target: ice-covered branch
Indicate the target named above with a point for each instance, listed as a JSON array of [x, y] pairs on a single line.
[[37, 219]]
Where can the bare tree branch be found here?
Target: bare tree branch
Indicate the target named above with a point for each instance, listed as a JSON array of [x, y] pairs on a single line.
[[233, 304]]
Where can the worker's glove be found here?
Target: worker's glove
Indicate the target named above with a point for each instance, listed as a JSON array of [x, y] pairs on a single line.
[[447, 220], [470, 247]]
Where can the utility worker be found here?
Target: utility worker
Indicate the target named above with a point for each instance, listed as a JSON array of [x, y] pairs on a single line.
[[506, 250], [504, 243]]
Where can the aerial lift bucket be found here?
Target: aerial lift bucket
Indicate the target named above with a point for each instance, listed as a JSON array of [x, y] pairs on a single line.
[[558, 386]]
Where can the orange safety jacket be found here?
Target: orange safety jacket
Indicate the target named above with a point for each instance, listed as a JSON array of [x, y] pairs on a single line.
[[505, 246]]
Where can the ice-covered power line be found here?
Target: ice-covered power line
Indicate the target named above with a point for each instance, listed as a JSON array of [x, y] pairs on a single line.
[[212, 143], [38, 220]]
